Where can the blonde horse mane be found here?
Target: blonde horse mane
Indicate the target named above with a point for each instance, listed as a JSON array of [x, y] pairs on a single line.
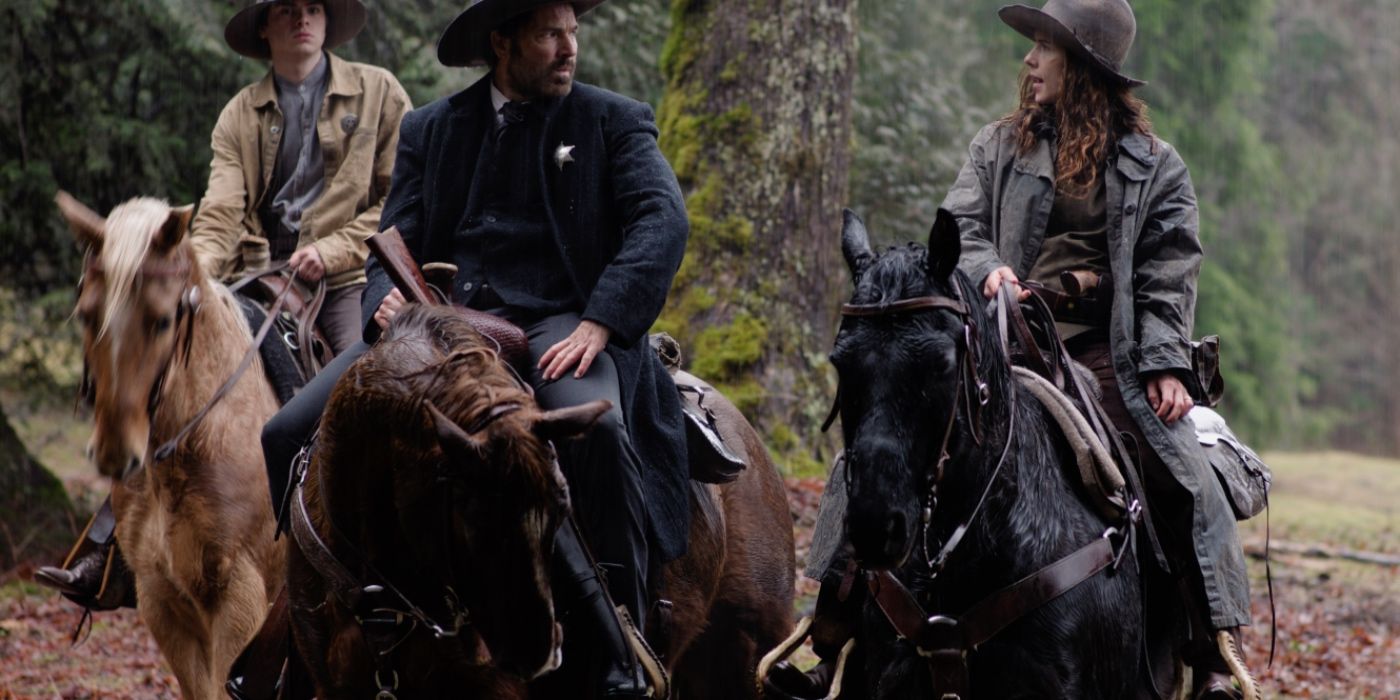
[[126, 241]]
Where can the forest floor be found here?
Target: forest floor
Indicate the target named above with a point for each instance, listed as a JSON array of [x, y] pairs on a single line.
[[1338, 619]]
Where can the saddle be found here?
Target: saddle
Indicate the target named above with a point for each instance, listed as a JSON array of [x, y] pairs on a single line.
[[712, 451], [296, 349], [1041, 364]]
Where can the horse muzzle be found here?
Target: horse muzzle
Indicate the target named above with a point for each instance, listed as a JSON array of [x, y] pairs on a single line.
[[114, 456], [882, 538]]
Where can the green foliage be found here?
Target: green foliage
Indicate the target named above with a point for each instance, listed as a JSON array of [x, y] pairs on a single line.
[[932, 72], [1284, 112], [107, 101]]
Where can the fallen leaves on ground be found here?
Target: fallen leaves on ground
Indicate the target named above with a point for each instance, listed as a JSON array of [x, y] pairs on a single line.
[[1337, 634], [118, 659]]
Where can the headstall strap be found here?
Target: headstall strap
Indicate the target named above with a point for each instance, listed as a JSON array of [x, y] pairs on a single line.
[[905, 306]]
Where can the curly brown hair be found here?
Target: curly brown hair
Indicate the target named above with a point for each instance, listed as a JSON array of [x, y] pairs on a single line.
[[1090, 115]]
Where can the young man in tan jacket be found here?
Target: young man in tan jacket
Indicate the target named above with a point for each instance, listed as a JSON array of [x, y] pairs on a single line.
[[302, 158]]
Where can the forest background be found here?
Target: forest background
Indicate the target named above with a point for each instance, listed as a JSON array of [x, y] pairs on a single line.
[[1284, 110], [775, 115]]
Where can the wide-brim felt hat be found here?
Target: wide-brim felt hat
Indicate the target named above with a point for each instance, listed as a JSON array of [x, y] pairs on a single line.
[[1098, 31], [344, 20], [467, 39]]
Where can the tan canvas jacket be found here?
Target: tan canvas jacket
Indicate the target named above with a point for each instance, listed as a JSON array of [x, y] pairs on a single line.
[[359, 132]]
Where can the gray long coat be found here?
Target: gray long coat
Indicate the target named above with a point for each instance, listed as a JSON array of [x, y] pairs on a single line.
[[1002, 202]]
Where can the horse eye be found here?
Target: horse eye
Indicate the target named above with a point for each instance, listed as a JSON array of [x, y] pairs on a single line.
[[163, 323]]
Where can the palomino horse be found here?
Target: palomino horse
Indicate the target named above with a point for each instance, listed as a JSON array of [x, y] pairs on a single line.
[[435, 494], [195, 525], [932, 421]]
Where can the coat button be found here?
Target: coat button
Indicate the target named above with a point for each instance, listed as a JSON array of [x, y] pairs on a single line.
[[467, 287], [1132, 209], [490, 219]]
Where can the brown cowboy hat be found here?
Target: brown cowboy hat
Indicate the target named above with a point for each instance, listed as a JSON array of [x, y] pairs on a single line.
[[344, 19], [1099, 31], [467, 40]]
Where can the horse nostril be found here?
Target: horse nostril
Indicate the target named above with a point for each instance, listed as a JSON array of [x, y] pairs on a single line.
[[131, 467], [895, 535]]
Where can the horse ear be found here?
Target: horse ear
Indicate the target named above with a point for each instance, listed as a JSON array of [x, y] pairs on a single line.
[[87, 225], [855, 244], [944, 245], [174, 228], [571, 422], [451, 435]]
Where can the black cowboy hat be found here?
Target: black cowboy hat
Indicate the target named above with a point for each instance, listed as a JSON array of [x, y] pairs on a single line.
[[1099, 31], [466, 41], [344, 19]]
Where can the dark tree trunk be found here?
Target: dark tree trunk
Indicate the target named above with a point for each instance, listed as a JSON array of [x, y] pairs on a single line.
[[37, 521], [756, 120]]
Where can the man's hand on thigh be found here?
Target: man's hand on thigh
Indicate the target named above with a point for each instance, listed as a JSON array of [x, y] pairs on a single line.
[[579, 348]]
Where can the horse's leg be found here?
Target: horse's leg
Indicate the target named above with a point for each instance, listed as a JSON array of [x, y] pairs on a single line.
[[239, 615], [721, 661], [180, 632]]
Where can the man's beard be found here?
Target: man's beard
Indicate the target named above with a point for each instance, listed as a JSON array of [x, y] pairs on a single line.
[[542, 82]]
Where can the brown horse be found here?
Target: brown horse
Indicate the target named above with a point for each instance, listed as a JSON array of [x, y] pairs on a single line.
[[732, 592], [159, 339], [435, 491], [433, 480]]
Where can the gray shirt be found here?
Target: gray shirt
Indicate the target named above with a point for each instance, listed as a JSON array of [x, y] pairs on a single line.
[[300, 173]]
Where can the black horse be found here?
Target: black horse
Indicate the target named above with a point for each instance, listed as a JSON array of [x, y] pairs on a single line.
[[932, 421]]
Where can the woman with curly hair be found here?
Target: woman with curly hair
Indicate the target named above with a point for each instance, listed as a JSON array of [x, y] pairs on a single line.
[[1072, 191]]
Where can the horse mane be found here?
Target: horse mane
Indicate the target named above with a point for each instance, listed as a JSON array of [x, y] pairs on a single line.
[[899, 273], [432, 354], [126, 242], [461, 374]]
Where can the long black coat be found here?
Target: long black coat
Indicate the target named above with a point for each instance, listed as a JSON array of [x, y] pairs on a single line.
[[620, 225]]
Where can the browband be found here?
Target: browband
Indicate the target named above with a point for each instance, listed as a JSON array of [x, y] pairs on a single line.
[[906, 305]]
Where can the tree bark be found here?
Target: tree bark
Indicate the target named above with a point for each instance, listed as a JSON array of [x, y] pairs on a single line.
[[756, 120], [37, 520]]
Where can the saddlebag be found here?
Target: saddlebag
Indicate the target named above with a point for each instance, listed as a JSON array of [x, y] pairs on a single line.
[[1244, 476]]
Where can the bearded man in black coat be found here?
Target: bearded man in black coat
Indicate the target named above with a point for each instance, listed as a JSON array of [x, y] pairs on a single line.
[[554, 202]]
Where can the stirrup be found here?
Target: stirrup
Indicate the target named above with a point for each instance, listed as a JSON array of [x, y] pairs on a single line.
[[785, 649], [655, 671], [1249, 687]]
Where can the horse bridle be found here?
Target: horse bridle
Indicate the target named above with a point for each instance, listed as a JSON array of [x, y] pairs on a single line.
[[383, 624], [969, 380], [945, 641]]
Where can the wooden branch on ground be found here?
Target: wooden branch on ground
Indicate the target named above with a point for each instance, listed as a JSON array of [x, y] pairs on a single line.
[[1255, 549]]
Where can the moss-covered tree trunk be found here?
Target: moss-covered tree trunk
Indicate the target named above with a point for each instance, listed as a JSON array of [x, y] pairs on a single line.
[[756, 120], [37, 521]]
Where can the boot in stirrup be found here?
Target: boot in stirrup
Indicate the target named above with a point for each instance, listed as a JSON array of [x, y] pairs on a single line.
[[832, 628], [630, 669], [93, 575], [1216, 674]]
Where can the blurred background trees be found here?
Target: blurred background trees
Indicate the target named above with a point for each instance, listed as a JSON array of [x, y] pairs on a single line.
[[1284, 110]]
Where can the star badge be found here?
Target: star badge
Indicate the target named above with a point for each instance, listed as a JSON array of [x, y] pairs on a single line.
[[563, 154]]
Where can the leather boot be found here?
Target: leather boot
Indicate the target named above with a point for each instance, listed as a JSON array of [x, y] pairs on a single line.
[[94, 574], [833, 626], [581, 592], [1216, 671]]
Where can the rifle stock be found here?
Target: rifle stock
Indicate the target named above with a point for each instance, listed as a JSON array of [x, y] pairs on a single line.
[[388, 246]]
